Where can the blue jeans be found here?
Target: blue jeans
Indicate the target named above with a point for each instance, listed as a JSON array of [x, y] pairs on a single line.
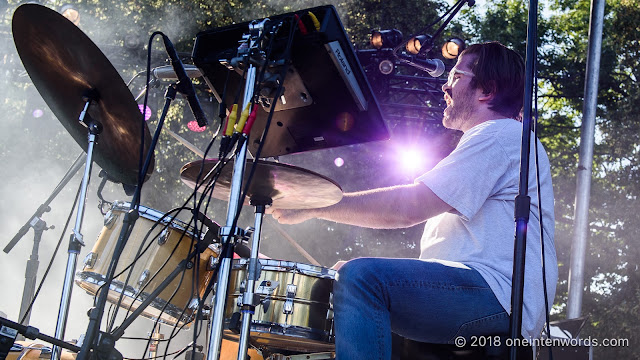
[[419, 300]]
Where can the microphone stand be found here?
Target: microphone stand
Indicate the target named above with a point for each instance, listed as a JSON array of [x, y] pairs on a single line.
[[523, 201], [39, 226]]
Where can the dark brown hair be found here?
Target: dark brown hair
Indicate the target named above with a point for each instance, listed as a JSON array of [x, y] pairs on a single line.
[[500, 70]]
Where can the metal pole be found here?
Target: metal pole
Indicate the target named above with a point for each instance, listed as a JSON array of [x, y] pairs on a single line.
[[215, 335], [583, 175], [39, 226], [523, 200], [76, 243], [249, 302]]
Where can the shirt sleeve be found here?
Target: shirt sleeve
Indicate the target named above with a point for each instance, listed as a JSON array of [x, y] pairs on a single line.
[[469, 175]]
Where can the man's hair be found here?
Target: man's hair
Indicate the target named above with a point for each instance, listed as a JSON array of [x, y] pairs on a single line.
[[500, 70]]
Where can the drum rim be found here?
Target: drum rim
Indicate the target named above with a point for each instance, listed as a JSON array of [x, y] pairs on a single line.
[[171, 310], [288, 266], [154, 215]]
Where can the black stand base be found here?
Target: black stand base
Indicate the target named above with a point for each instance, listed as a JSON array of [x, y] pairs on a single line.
[[405, 349]]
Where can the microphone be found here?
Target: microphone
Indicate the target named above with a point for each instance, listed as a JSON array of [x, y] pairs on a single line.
[[434, 67], [184, 85], [166, 72]]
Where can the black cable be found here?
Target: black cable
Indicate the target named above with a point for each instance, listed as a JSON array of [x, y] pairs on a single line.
[[53, 256], [139, 255], [287, 58], [141, 176], [537, 163], [544, 271]]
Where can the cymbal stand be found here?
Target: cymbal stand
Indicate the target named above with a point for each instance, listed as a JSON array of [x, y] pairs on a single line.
[[104, 343], [224, 272], [94, 128], [250, 299]]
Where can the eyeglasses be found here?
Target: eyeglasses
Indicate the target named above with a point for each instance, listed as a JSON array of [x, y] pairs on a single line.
[[453, 72]]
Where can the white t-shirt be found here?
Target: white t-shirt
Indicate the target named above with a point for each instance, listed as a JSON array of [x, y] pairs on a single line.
[[479, 180]]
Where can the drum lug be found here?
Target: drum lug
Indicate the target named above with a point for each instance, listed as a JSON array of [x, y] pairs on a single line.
[[212, 263], [90, 259], [143, 277], [267, 287], [163, 237], [109, 219], [291, 294]]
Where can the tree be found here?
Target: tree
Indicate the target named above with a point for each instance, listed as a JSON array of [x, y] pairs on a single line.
[[611, 293]]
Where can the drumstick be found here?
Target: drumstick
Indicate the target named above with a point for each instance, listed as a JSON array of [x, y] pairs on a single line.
[[300, 249], [186, 143]]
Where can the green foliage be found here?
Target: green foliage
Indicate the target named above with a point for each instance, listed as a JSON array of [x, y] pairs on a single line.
[[611, 291]]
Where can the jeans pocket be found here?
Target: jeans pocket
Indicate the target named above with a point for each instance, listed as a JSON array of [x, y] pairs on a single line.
[[496, 324]]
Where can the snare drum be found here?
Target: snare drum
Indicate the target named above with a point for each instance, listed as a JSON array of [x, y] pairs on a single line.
[[295, 311], [154, 250]]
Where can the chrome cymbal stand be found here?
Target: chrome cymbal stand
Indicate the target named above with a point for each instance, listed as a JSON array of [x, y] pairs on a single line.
[[94, 128], [224, 272], [249, 298]]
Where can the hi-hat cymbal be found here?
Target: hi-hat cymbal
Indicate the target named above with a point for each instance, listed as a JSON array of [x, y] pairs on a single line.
[[64, 64], [288, 187]]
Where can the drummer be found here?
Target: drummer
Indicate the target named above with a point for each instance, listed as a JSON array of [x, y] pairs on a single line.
[[461, 284]]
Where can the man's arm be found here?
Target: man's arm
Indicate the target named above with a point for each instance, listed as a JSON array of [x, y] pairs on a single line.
[[384, 208]]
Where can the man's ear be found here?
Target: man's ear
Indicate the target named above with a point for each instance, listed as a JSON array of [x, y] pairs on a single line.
[[490, 92]]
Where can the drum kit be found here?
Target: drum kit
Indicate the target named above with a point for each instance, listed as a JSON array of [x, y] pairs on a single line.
[[149, 262]]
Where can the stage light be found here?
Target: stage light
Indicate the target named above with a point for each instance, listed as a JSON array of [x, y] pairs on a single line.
[[338, 161], [419, 44], [452, 48], [345, 121], [147, 112], [386, 67], [386, 38], [37, 113], [71, 13], [411, 160], [193, 126]]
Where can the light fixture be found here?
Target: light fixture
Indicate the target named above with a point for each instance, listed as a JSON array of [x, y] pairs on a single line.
[[386, 67], [452, 48], [193, 126], [386, 38], [419, 44], [71, 13], [147, 112]]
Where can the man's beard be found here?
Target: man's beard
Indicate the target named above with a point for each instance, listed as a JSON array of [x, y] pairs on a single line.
[[460, 111]]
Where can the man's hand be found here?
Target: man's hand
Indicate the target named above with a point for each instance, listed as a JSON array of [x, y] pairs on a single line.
[[290, 217]]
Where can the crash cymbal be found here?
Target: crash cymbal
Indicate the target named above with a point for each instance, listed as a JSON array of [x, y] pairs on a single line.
[[64, 64], [289, 187]]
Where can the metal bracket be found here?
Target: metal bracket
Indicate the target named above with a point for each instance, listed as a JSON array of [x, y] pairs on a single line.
[[291, 294]]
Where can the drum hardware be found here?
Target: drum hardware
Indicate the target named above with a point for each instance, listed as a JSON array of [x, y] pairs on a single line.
[[129, 222], [304, 327], [76, 78], [9, 330], [156, 336], [224, 271], [39, 226], [287, 185], [147, 267]]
